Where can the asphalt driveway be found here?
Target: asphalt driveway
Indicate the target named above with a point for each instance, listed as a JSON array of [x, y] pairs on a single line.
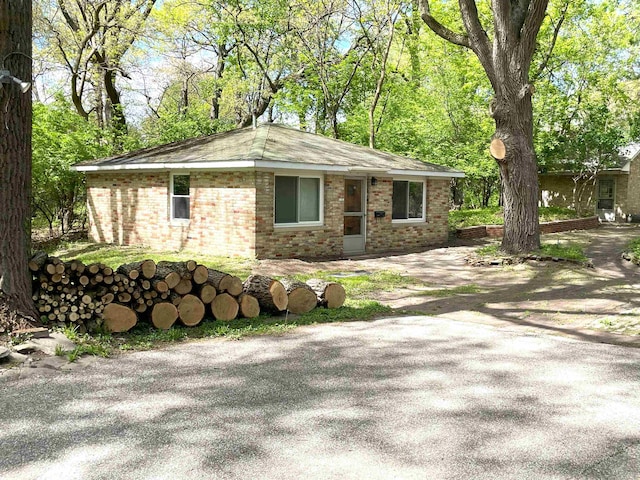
[[414, 397]]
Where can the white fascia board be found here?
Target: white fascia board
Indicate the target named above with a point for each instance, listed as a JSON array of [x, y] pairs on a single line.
[[422, 173], [275, 165], [233, 164], [230, 165]]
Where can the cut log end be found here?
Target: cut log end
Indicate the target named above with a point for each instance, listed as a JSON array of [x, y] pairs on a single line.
[[249, 306], [270, 293], [224, 307], [330, 294], [118, 318], [164, 315], [191, 310], [302, 298]]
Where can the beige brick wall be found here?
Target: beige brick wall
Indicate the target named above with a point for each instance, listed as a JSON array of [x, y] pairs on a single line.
[[288, 242], [557, 191], [632, 189], [133, 209], [384, 235], [232, 214]]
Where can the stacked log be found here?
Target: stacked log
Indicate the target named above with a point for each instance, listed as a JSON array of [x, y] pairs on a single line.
[[94, 295], [270, 293], [329, 294], [302, 298]]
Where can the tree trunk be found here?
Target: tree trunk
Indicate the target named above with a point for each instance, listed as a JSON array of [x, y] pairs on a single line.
[[15, 166], [518, 172], [506, 59]]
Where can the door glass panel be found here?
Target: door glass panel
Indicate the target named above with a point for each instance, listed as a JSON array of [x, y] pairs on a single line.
[[352, 225], [352, 195]]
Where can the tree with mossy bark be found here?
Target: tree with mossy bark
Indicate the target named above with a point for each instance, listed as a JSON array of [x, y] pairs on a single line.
[[506, 60]]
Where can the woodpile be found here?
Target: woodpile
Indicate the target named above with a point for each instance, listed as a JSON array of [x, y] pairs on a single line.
[[94, 295]]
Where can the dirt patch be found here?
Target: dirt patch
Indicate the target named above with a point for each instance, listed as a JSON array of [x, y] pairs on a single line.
[[599, 303]]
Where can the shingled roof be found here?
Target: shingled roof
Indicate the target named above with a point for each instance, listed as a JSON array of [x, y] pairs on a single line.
[[269, 146]]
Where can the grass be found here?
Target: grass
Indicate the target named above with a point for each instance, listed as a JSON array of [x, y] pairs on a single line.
[[114, 256], [568, 251], [448, 292], [493, 216], [360, 286], [633, 248]]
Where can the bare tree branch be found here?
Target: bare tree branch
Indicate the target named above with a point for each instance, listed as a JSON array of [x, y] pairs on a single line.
[[554, 39]]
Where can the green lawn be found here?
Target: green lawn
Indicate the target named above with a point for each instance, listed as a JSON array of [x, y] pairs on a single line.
[[494, 216]]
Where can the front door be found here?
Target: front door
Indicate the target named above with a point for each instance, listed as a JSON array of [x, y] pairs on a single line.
[[354, 215], [606, 199]]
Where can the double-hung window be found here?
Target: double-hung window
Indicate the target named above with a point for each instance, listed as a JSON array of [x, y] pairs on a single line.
[[180, 201], [409, 200], [298, 200]]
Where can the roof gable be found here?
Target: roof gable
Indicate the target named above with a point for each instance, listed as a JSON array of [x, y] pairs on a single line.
[[267, 146]]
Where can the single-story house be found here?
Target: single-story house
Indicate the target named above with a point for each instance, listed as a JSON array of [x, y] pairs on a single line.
[[614, 195], [267, 192]]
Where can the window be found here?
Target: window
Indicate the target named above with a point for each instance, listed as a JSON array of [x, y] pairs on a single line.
[[408, 200], [180, 197], [297, 200]]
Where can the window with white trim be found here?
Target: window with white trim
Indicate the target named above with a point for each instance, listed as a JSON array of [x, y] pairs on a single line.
[[409, 200], [180, 201], [298, 200]]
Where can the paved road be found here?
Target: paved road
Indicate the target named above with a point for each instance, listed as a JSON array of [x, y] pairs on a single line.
[[402, 398]]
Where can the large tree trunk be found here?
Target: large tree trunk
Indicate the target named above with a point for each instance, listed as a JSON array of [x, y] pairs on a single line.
[[518, 174], [506, 60], [15, 165]]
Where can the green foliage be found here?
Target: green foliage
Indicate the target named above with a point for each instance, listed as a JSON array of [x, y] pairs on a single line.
[[173, 127], [60, 139], [584, 101]]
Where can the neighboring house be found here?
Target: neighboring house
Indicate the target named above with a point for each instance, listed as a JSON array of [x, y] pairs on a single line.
[[614, 195], [267, 192]]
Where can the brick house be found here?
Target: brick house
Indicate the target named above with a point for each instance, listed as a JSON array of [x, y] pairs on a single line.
[[614, 195], [267, 192]]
